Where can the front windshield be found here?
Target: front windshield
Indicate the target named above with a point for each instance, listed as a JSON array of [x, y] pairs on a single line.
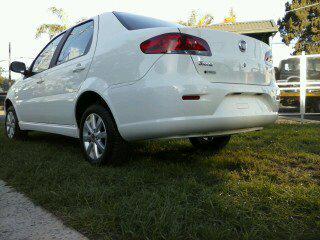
[[289, 69], [313, 67]]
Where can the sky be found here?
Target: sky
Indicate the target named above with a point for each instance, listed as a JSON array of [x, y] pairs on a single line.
[[20, 19]]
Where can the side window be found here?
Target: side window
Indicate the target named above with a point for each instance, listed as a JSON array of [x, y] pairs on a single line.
[[78, 42], [43, 61], [313, 68]]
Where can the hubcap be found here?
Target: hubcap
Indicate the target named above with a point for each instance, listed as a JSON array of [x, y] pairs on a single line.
[[10, 125], [94, 136]]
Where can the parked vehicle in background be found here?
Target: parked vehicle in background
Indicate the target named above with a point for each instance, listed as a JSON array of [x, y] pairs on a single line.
[[289, 72], [121, 77]]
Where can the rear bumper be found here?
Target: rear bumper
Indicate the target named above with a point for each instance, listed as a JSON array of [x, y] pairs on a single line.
[[159, 112], [197, 126]]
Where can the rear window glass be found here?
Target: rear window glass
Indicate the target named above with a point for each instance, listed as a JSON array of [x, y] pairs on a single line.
[[289, 69], [134, 22], [313, 67]]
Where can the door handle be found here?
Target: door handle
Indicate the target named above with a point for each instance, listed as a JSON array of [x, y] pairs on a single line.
[[41, 81], [79, 68]]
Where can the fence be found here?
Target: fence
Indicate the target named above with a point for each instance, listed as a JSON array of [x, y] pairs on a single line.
[[299, 81]]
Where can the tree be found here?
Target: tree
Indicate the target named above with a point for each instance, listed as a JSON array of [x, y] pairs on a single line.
[[301, 25], [52, 29], [2, 79], [194, 21]]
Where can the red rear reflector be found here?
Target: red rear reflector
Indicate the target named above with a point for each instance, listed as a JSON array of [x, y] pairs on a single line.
[[190, 97], [176, 43]]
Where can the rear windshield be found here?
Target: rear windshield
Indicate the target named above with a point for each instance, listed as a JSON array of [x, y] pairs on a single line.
[[134, 22], [313, 67], [289, 68]]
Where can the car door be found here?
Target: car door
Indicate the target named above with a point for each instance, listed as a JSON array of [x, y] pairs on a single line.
[[31, 88], [62, 82]]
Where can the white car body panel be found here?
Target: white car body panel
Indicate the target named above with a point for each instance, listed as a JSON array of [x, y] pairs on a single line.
[[28, 97], [144, 91], [121, 52], [61, 87], [66, 130]]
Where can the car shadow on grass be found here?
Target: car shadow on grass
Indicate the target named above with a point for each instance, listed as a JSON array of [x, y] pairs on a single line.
[[173, 160], [170, 151], [53, 140], [178, 151]]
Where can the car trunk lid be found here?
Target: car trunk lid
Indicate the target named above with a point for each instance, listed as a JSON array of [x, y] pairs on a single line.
[[235, 58]]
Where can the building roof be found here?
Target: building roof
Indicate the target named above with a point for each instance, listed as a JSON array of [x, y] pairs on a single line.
[[268, 26]]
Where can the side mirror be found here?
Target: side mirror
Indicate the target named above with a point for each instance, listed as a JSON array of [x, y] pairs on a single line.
[[18, 67], [277, 73]]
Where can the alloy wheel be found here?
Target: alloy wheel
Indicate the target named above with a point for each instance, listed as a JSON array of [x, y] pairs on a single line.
[[94, 136], [10, 124]]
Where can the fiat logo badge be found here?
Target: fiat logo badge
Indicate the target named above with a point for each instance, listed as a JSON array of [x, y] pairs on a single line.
[[243, 46]]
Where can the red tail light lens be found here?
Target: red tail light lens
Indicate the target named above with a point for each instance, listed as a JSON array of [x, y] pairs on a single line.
[[268, 57], [176, 43]]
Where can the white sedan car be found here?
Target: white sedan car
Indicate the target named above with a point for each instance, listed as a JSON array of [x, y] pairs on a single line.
[[121, 77]]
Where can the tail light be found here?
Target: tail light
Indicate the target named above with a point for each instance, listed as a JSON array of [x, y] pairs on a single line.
[[268, 57], [176, 43]]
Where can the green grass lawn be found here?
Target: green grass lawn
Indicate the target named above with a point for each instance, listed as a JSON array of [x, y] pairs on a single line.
[[264, 185]]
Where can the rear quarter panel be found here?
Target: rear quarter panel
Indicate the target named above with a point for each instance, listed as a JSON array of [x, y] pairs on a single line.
[[118, 58]]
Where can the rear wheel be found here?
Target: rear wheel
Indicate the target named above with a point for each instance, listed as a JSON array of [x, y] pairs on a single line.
[[210, 143], [100, 139], [12, 128], [316, 106]]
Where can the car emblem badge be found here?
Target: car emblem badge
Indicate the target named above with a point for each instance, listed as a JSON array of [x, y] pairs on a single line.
[[243, 46], [205, 64]]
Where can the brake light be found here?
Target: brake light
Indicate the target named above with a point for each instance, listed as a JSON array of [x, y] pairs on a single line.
[[176, 43], [268, 57]]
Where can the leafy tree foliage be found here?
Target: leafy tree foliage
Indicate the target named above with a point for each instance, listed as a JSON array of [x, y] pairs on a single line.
[[1, 77], [301, 25], [195, 21], [52, 29]]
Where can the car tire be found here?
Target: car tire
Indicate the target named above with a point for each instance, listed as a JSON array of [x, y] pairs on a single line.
[[210, 143], [316, 106], [11, 126], [101, 141]]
